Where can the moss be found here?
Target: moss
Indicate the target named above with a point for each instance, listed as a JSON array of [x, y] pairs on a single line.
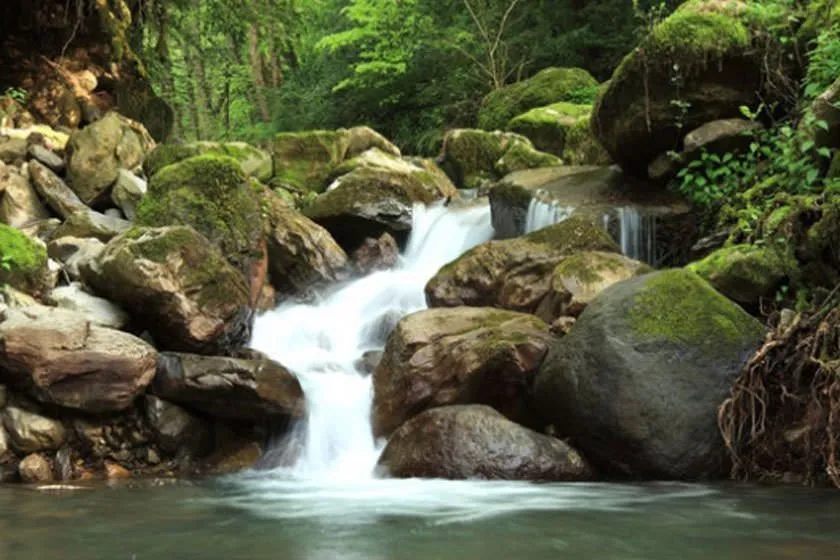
[[581, 146], [523, 156], [587, 267], [470, 156], [573, 235], [551, 85], [254, 162], [689, 35], [547, 127], [167, 154], [679, 307], [23, 262], [211, 194], [511, 195], [304, 160]]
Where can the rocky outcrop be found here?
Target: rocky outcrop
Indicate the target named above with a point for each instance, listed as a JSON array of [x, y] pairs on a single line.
[[177, 285], [236, 389], [548, 86], [637, 382], [61, 358], [475, 441], [24, 261], [515, 273], [462, 355]]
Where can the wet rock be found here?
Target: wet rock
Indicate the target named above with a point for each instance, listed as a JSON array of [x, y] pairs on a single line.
[[115, 471], [19, 203], [475, 441], [235, 389], [128, 192], [75, 253], [177, 285], [368, 362], [637, 381], [64, 464], [35, 468], [376, 254], [54, 191], [98, 311], [88, 223], [177, 430], [61, 358], [47, 157], [461, 355], [30, 432], [233, 458]]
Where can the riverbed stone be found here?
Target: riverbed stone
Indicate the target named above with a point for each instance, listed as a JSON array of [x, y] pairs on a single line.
[[98, 311], [460, 355], [477, 442], [127, 193], [235, 389], [177, 430], [35, 468], [514, 273], [637, 382], [19, 203], [54, 191], [30, 432], [177, 285], [75, 253], [47, 157], [88, 223], [59, 357]]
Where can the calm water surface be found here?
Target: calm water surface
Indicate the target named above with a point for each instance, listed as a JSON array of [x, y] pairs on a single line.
[[271, 517]]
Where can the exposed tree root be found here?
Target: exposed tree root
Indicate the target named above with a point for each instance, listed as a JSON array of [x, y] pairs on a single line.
[[782, 419]]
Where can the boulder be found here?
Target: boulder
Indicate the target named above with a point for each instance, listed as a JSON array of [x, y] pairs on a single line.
[[301, 254], [75, 253], [177, 430], [376, 254], [54, 191], [460, 355], [59, 357], [47, 157], [562, 129], [41, 230], [35, 468], [746, 273], [476, 442], [98, 152], [578, 279], [514, 273], [98, 311], [23, 261], [548, 86], [177, 285], [368, 202], [255, 163], [12, 150], [19, 203], [475, 158], [128, 192], [213, 195], [719, 68], [304, 161], [250, 390], [637, 382], [30, 432], [88, 223]]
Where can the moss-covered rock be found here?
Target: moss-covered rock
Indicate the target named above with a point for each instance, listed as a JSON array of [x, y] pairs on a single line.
[[638, 380], [746, 273], [23, 261], [548, 86], [514, 273], [460, 355], [176, 284], [212, 194], [255, 162], [709, 44], [547, 127], [474, 158], [305, 160]]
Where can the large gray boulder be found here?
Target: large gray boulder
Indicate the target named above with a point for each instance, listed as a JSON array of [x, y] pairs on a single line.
[[637, 382], [475, 441]]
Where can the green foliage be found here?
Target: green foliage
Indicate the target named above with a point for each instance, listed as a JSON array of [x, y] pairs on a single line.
[[19, 95], [823, 62]]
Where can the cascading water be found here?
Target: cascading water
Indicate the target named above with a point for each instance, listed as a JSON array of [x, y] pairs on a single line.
[[321, 342], [632, 230]]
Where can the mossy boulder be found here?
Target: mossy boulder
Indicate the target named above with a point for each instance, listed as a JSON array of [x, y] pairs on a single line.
[[178, 286], [255, 162], [475, 158], [562, 129], [637, 381], [710, 44], [476, 442], [746, 273], [369, 201], [548, 86], [514, 273], [305, 160], [211, 194], [23, 261], [459, 355]]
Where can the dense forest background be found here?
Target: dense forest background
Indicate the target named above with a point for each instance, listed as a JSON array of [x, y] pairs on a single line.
[[244, 69]]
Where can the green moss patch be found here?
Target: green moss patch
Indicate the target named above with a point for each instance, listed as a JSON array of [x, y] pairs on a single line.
[[573, 235], [23, 262]]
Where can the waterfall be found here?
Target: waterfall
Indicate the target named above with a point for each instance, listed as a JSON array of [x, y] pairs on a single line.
[[634, 231], [322, 342]]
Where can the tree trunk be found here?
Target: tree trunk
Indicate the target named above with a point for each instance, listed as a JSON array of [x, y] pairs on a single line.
[[257, 71]]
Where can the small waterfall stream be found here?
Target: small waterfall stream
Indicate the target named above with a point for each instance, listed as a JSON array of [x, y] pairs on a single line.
[[321, 342]]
